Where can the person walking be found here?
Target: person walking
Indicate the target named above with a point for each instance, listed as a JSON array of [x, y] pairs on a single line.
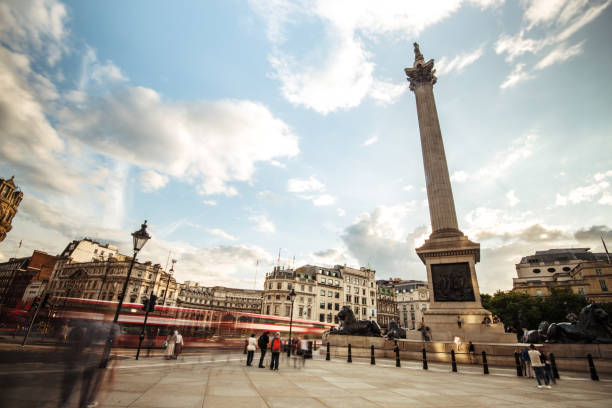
[[178, 345], [262, 342], [170, 343], [538, 367], [544, 357], [275, 347], [526, 363], [251, 347], [471, 352]]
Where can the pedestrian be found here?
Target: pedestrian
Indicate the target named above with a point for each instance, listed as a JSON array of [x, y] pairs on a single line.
[[459, 321], [544, 357], [275, 347], [526, 363], [178, 345], [471, 352], [251, 349], [170, 343], [305, 348], [538, 367], [262, 342]]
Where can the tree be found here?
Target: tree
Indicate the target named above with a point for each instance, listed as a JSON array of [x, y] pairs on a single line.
[[560, 303], [515, 309]]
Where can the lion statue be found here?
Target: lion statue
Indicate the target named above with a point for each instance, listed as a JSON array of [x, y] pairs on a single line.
[[537, 336], [395, 331], [592, 327], [351, 326]]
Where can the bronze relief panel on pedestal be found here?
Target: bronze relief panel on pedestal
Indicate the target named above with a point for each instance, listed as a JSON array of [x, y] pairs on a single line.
[[452, 282]]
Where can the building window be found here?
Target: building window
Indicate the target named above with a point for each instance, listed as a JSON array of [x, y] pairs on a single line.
[[277, 297], [356, 290], [288, 286], [536, 270], [337, 295], [330, 281], [279, 285], [310, 288], [336, 283], [337, 306], [363, 292], [363, 301], [365, 311], [301, 311], [538, 292], [356, 299], [348, 298], [329, 306], [581, 291], [604, 287], [322, 292], [356, 281], [270, 286], [566, 268], [330, 293], [287, 311], [322, 305], [302, 288], [329, 318], [551, 270], [321, 317], [598, 271]]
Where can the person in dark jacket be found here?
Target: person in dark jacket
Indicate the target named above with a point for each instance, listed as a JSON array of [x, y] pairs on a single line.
[[275, 347], [262, 342]]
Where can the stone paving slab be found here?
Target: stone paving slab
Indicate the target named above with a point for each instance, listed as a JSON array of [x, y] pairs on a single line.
[[228, 383]]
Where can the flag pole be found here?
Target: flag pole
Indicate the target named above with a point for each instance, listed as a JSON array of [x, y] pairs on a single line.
[[605, 248]]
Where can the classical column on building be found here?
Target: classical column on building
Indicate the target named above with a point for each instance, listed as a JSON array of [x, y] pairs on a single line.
[[449, 256]]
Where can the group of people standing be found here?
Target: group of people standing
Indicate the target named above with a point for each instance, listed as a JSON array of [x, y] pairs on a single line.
[[537, 363], [276, 346]]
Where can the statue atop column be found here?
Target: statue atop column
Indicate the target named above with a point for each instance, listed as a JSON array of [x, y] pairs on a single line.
[[421, 71]]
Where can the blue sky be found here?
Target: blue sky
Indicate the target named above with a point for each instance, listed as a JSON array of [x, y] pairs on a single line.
[[240, 127]]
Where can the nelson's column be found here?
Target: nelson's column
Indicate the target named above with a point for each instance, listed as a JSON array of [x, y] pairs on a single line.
[[449, 256]]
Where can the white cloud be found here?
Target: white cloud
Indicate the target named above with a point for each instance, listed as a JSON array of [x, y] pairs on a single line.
[[309, 185], [262, 223], [323, 200], [560, 54], [213, 143], [34, 27], [515, 46], [512, 198], [582, 194], [584, 18], [602, 176], [540, 11], [520, 149], [221, 234], [606, 199], [370, 141], [342, 75], [459, 176], [341, 212], [210, 202], [151, 180], [459, 62], [407, 188], [517, 75]]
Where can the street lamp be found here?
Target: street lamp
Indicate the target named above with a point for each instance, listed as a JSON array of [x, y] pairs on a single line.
[[292, 297], [170, 272], [140, 238]]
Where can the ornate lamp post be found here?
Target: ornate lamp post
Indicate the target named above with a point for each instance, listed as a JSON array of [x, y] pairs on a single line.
[[292, 297], [171, 272], [140, 238]]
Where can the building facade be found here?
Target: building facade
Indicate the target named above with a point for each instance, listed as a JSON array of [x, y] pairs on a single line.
[[22, 279], [103, 280], [320, 292], [10, 198], [412, 299], [386, 303], [220, 298], [577, 269], [87, 250]]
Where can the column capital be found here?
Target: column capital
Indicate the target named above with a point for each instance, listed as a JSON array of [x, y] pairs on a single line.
[[421, 71]]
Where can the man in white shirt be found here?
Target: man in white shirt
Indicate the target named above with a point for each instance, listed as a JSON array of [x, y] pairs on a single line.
[[538, 366]]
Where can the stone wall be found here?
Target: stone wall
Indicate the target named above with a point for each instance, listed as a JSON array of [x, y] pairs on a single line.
[[569, 357]]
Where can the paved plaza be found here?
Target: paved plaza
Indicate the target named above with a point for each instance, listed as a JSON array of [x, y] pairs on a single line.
[[218, 380]]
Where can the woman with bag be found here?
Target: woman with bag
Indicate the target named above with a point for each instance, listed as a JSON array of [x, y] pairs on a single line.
[[178, 344], [170, 343], [251, 349]]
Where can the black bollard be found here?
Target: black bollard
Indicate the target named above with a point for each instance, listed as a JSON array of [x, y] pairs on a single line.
[[517, 361], [327, 354], [453, 361], [424, 359], [594, 375], [349, 359], [372, 360], [553, 365], [485, 365], [397, 357]]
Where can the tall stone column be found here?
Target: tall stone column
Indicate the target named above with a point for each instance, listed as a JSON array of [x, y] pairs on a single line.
[[449, 256]]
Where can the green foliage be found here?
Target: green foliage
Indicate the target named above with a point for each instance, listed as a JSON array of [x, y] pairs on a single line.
[[520, 310]]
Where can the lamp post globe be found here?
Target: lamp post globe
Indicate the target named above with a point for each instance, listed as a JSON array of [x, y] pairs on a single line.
[[292, 296], [140, 237]]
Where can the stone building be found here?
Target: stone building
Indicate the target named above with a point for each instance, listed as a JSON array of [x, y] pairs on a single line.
[[320, 292], [412, 299], [10, 198], [86, 250], [386, 303], [192, 295], [103, 280], [578, 269], [22, 279]]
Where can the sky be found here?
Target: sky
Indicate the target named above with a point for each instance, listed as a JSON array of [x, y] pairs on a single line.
[[245, 129]]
